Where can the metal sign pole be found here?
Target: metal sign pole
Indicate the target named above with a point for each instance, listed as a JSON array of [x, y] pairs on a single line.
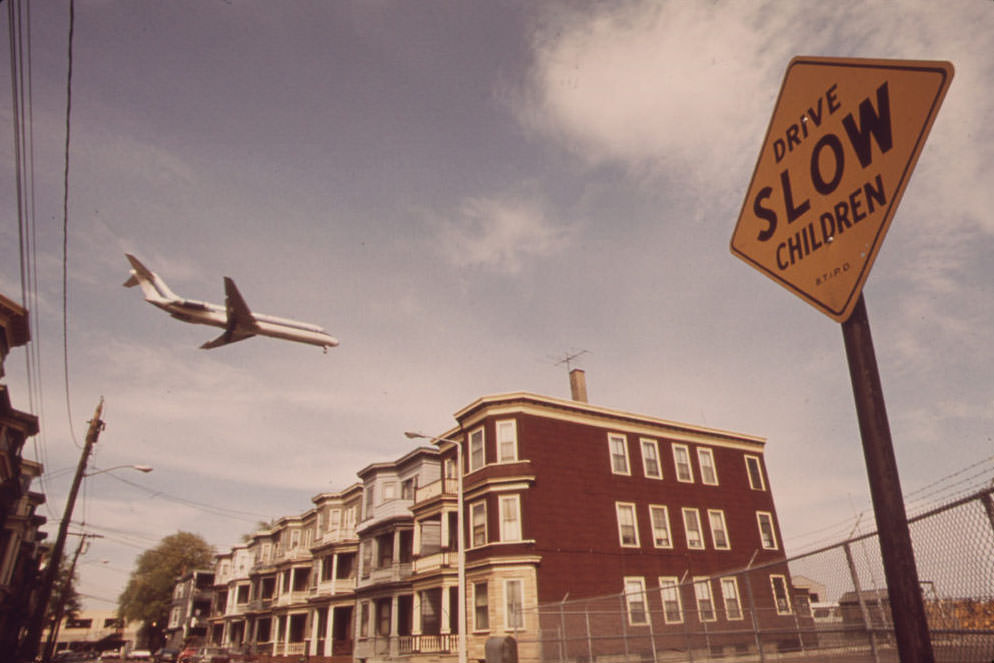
[[903, 590]]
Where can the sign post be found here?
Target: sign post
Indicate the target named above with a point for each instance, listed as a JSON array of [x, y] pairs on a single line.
[[843, 140]]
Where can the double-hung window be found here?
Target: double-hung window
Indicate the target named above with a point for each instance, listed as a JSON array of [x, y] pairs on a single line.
[[481, 607], [730, 594], [650, 459], [692, 528], [780, 596], [635, 599], [681, 459], [618, 446], [660, 516], [755, 472], [510, 518], [767, 535], [478, 523], [507, 441], [705, 459], [669, 591], [477, 454], [514, 604], [705, 600], [628, 531], [719, 530]]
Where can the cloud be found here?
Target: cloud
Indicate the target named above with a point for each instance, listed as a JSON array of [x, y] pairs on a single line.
[[500, 234]]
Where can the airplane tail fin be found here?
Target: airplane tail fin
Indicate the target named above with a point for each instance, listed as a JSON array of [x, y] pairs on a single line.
[[153, 287]]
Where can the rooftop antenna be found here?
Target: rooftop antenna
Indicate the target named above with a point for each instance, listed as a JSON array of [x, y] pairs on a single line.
[[577, 378]]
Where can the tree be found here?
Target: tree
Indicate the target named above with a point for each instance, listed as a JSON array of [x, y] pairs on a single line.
[[149, 591], [64, 596]]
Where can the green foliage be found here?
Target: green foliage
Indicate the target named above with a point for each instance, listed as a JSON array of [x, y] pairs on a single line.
[[148, 594], [63, 594]]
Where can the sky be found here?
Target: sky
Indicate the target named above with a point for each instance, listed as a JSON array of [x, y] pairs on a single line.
[[464, 194]]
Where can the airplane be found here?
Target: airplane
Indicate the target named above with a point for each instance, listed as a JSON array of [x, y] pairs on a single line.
[[238, 321]]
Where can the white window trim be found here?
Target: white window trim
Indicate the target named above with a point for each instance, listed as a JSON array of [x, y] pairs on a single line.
[[516, 501], [670, 583], [476, 627], [642, 595], [676, 463], [686, 528], [513, 424], [666, 520], [759, 473], [724, 528], [738, 598], [483, 449], [611, 437], [629, 506], [704, 582], [708, 452], [786, 593], [649, 442], [507, 604], [472, 524], [773, 530]]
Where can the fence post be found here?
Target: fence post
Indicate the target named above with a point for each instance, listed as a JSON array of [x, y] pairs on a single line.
[[563, 642], [752, 612], [867, 622], [590, 642]]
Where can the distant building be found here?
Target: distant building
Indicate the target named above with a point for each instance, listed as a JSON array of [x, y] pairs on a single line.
[[95, 631], [562, 499], [191, 606]]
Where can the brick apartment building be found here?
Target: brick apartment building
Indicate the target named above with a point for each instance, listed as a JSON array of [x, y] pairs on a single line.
[[561, 499]]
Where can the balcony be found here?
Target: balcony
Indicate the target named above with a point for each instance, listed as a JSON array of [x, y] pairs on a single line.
[[435, 561], [435, 489], [385, 574], [444, 643]]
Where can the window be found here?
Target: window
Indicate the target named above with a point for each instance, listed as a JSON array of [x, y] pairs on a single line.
[[627, 525], [618, 446], [767, 536], [364, 619], [650, 459], [660, 526], [368, 513], [334, 520], [730, 594], [477, 457], [478, 523], [510, 518], [407, 487], [514, 604], [719, 531], [692, 527], [755, 471], [780, 596], [705, 458], [382, 617], [389, 490], [507, 441], [670, 594], [174, 617], [681, 458], [450, 468], [481, 607], [636, 601], [367, 558], [705, 601]]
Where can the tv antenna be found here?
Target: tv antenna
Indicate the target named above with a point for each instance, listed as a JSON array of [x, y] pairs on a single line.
[[569, 357]]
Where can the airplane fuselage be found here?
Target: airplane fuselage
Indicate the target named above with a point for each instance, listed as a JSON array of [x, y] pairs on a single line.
[[235, 318]]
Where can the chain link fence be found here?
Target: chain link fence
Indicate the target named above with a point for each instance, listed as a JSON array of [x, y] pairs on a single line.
[[827, 605]]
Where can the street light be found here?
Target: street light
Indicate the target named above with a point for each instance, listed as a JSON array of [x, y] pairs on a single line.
[[141, 468], [460, 534]]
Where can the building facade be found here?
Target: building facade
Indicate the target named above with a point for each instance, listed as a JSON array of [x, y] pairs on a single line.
[[561, 500], [191, 606]]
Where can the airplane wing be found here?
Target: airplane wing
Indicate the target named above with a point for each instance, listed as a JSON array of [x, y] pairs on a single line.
[[241, 322]]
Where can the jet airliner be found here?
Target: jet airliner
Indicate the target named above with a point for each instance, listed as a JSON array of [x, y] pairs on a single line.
[[235, 317]]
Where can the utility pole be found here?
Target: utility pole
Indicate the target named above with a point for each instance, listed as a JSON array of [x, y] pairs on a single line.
[[60, 610], [33, 638]]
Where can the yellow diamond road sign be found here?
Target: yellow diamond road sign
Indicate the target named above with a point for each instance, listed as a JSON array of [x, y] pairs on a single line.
[[843, 140]]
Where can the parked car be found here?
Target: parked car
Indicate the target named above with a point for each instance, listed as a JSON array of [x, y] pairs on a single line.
[[187, 655], [140, 655], [166, 656], [212, 655]]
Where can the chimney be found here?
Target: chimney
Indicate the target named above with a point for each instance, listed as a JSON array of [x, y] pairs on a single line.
[[578, 385]]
